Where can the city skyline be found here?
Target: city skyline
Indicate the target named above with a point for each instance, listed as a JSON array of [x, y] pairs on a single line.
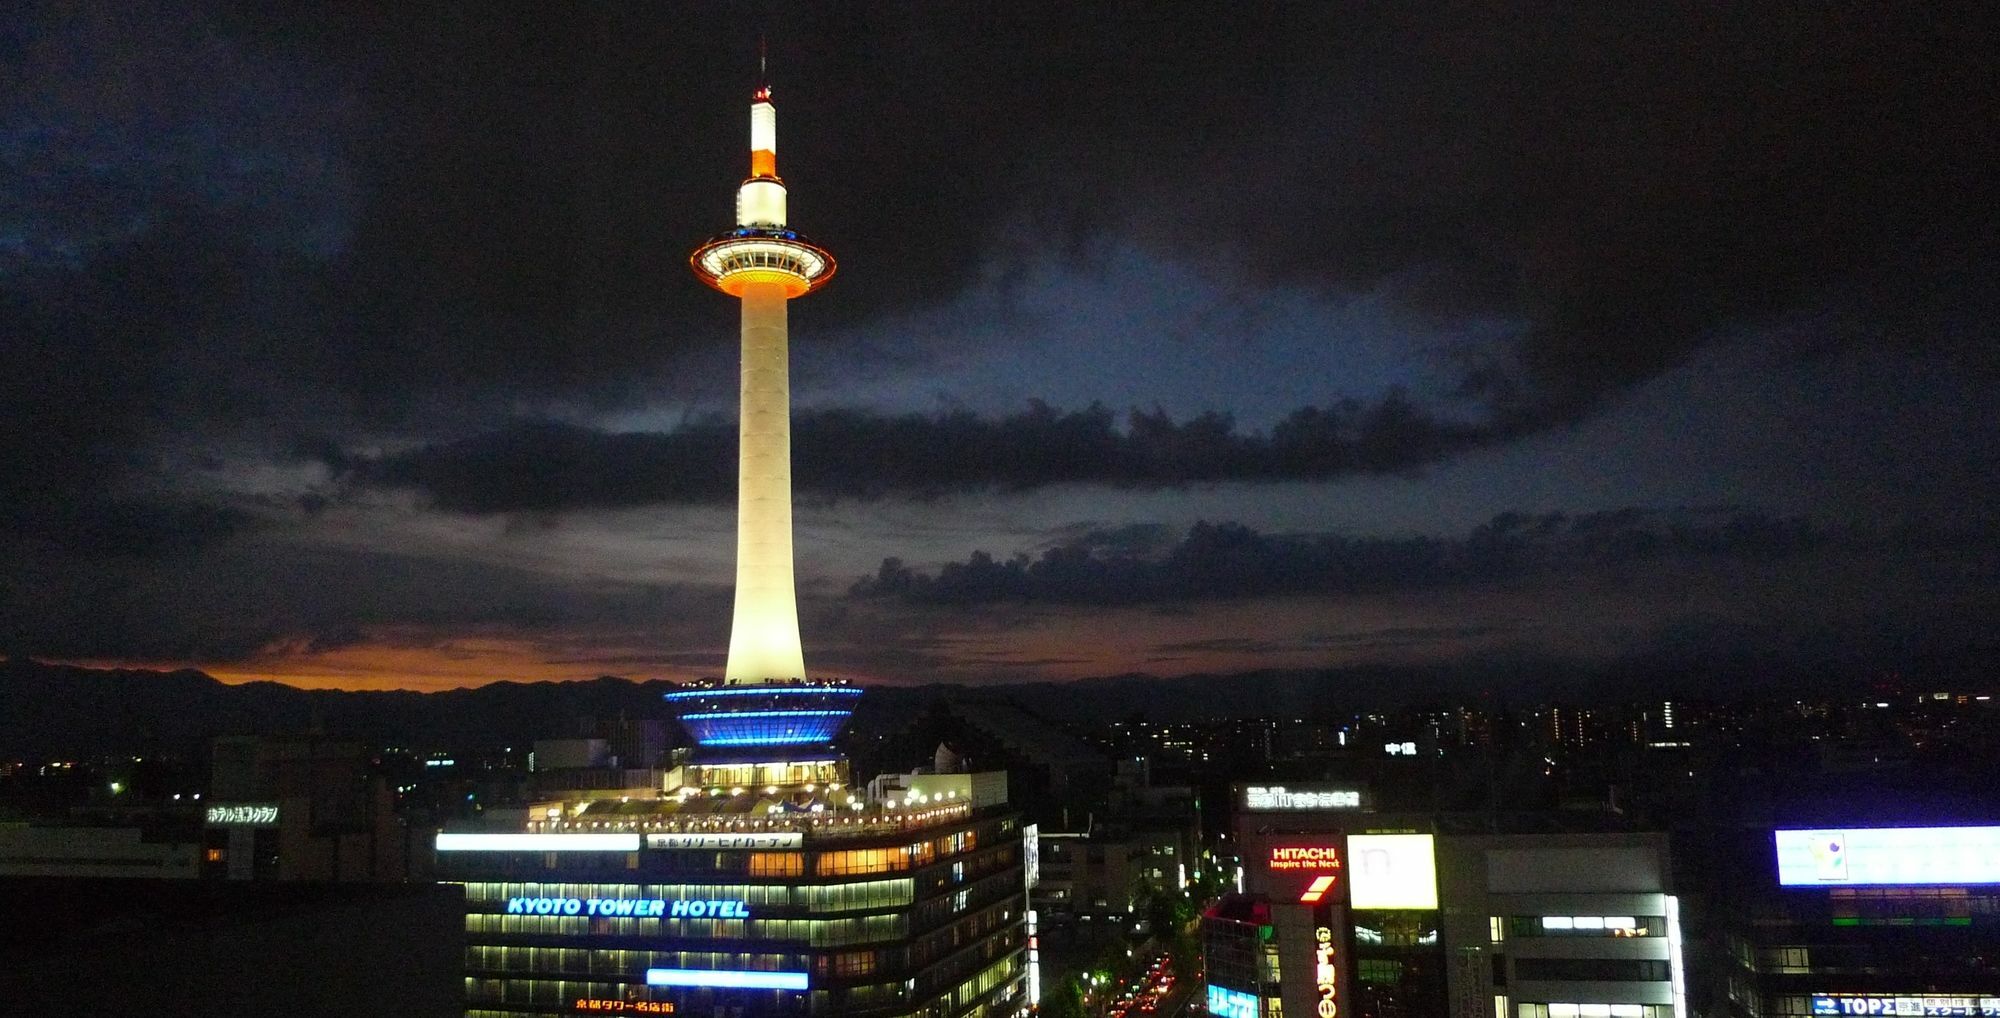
[[356, 353]]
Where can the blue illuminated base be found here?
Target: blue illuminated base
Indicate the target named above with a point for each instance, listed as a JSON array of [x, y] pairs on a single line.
[[776, 715]]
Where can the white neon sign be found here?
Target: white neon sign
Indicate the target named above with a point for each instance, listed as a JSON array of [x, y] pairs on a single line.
[[730, 979], [538, 842], [773, 839], [1034, 958], [1326, 976], [243, 815], [1278, 797]]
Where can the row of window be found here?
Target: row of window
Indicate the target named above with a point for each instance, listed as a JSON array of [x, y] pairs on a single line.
[[738, 863], [886, 860], [860, 998], [1502, 928], [560, 996], [577, 962], [1533, 1010], [998, 963], [848, 897], [763, 259], [972, 989], [1004, 887], [816, 932], [1595, 970]]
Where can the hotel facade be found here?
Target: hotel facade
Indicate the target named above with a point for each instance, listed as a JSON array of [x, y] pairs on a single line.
[[917, 912]]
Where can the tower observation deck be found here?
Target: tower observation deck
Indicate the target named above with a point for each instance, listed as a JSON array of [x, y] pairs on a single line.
[[765, 698]]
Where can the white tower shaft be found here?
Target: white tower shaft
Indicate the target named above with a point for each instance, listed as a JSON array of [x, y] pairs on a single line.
[[764, 633]]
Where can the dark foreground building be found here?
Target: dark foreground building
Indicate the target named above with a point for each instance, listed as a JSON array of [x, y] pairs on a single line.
[[1838, 920], [228, 949]]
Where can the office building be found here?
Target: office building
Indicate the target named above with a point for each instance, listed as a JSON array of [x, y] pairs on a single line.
[[1343, 910], [1852, 920]]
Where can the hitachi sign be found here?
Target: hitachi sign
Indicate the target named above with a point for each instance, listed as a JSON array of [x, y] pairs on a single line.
[[1305, 857], [692, 908]]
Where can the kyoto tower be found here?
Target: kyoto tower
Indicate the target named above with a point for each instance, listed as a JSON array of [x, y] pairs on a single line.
[[765, 698]]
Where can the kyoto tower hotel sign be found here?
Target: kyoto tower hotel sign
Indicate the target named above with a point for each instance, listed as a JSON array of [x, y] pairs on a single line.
[[764, 264]]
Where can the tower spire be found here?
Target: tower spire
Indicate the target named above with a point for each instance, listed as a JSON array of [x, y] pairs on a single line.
[[763, 139], [764, 263]]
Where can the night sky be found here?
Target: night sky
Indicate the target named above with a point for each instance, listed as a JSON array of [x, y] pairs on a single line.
[[357, 347]]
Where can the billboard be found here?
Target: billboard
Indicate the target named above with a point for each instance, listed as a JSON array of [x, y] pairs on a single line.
[[1231, 1003], [1391, 871], [1031, 855], [1879, 856], [1859, 1004]]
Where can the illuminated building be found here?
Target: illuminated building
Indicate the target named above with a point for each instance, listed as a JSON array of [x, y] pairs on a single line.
[[1563, 925], [1851, 920], [757, 879], [1377, 915]]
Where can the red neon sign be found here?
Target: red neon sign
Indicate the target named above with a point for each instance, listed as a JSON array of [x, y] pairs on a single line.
[[1316, 890], [1315, 858]]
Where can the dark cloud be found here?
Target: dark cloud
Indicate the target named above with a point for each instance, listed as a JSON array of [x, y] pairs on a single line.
[[241, 600], [227, 225], [432, 220], [1233, 561], [544, 465]]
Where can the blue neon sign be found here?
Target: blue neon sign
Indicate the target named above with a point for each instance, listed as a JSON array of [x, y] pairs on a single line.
[[724, 715], [638, 908], [1231, 1003], [729, 979]]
